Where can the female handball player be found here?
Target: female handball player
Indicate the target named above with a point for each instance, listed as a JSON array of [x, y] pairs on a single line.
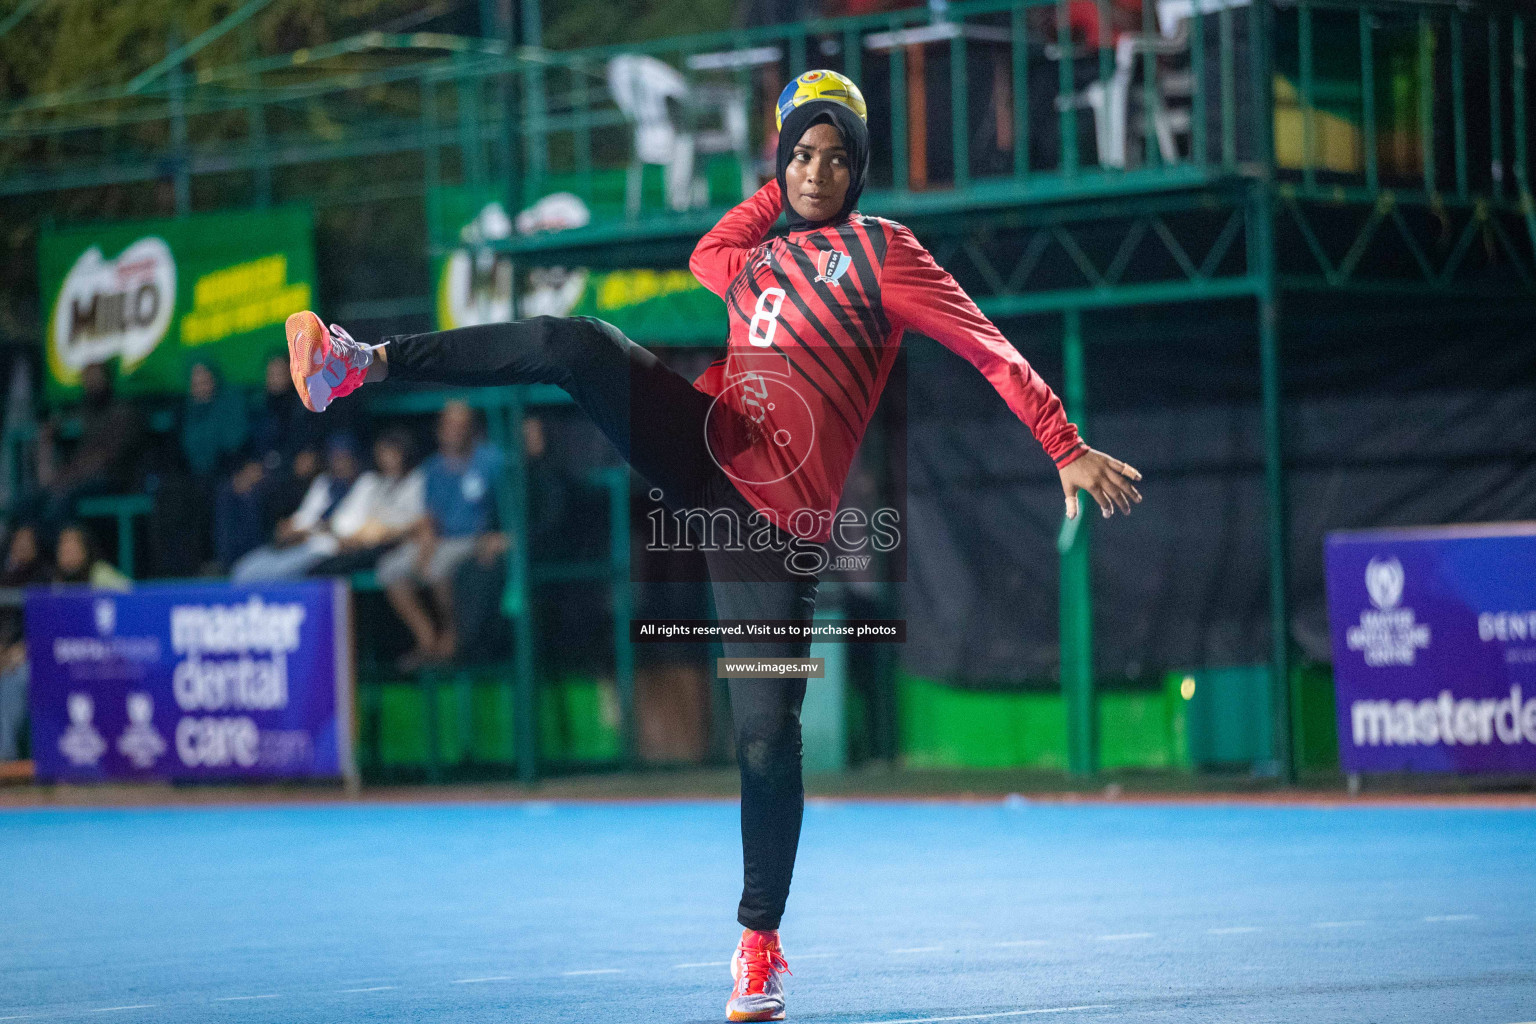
[[766, 434]]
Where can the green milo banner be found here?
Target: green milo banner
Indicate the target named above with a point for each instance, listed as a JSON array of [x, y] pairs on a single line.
[[654, 306], [473, 276], [152, 296]]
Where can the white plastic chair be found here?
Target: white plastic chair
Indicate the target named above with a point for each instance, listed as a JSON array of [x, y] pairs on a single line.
[[1110, 100], [730, 104], [642, 87]]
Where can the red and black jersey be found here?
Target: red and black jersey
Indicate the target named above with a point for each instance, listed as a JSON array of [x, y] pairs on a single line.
[[816, 319]]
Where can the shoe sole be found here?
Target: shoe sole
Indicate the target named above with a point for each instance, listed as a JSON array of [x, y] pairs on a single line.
[[736, 1015], [306, 334]]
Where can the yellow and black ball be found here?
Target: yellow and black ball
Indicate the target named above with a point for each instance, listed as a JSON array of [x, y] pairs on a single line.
[[821, 85]]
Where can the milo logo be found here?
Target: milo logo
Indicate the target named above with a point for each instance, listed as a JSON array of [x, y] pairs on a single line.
[[107, 308]]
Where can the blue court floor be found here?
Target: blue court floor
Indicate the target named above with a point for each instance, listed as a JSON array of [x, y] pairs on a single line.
[[596, 913]]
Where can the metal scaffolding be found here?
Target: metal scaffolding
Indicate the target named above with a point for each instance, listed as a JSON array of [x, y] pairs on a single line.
[[1228, 149]]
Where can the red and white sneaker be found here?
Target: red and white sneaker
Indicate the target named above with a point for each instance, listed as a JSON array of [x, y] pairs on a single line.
[[758, 994], [325, 365]]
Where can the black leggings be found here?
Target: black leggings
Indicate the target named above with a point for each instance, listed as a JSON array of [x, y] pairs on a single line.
[[655, 418]]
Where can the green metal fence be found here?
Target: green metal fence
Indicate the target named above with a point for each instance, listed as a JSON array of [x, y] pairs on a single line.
[[1311, 131], [992, 100]]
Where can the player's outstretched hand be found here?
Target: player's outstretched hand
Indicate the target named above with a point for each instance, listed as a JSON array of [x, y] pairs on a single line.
[[1106, 478]]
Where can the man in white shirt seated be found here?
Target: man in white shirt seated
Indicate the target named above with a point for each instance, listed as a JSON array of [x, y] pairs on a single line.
[[343, 511]]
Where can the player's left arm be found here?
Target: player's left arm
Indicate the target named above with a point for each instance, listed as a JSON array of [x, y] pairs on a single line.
[[920, 294]]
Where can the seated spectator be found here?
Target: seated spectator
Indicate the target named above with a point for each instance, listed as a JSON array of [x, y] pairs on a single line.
[[478, 584], [75, 562], [104, 461], [24, 567], [460, 501], [280, 494], [214, 423], [282, 425], [309, 536], [566, 520], [214, 428], [279, 459], [380, 510], [238, 525]]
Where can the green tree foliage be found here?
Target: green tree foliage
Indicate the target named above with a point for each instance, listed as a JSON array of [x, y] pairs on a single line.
[[572, 25], [62, 45]]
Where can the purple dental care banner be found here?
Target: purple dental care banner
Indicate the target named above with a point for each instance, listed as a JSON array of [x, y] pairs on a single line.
[[181, 681], [1434, 648]]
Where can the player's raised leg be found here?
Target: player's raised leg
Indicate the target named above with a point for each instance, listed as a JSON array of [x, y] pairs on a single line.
[[651, 414]]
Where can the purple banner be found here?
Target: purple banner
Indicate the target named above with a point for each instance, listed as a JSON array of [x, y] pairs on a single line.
[[1434, 648], [191, 682]]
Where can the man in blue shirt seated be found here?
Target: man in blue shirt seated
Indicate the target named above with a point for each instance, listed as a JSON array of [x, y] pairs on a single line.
[[461, 481]]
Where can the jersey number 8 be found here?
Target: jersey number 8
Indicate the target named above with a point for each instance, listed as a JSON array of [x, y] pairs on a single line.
[[765, 321]]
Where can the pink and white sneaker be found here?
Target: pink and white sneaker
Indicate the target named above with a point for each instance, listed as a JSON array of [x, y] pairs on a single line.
[[325, 365], [758, 993]]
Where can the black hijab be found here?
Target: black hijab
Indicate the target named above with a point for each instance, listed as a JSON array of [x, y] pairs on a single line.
[[855, 137]]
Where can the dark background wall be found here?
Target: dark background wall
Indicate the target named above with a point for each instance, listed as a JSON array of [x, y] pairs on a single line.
[[1397, 413]]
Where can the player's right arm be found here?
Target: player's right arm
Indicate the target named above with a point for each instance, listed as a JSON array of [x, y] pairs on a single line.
[[917, 292], [721, 254]]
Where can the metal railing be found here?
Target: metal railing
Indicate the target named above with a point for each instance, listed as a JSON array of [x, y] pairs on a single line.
[[992, 99], [965, 87]]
